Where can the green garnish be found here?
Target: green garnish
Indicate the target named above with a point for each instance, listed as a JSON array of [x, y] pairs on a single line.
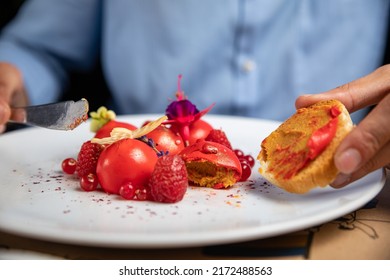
[[100, 118]]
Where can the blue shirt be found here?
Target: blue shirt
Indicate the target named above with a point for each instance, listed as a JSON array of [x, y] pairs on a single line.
[[250, 57]]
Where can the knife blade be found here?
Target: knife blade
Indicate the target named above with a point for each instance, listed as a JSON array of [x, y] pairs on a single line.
[[65, 115]]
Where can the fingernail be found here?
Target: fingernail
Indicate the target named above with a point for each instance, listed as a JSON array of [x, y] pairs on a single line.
[[341, 180], [348, 161]]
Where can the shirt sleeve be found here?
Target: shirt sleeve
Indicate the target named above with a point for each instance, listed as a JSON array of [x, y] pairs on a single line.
[[47, 39]]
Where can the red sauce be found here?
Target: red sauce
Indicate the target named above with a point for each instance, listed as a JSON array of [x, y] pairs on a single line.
[[334, 112], [321, 138], [295, 160]]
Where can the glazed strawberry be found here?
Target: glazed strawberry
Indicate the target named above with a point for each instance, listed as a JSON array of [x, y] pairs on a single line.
[[197, 130], [211, 164], [103, 122], [87, 158], [168, 182], [166, 140], [219, 136], [127, 161], [108, 127]]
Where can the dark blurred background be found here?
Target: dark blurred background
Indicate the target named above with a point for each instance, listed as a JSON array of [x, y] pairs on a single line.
[[8, 9], [91, 85]]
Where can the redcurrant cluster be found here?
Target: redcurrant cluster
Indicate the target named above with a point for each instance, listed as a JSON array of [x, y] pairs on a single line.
[[247, 162], [88, 182]]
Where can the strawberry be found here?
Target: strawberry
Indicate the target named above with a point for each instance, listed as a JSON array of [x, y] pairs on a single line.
[[219, 136], [169, 180], [87, 158], [106, 129]]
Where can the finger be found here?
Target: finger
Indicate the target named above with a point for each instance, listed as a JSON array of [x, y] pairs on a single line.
[[361, 145], [10, 79], [355, 95], [5, 110], [11, 90], [2, 128], [381, 159]]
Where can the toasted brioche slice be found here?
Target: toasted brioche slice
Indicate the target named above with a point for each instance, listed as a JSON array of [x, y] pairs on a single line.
[[298, 155]]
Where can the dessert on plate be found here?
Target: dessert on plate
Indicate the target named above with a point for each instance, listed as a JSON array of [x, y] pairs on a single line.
[[158, 160]]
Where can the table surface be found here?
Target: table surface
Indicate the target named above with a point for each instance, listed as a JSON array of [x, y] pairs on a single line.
[[362, 234]]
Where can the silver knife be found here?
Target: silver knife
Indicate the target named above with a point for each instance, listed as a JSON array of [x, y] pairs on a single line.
[[65, 115]]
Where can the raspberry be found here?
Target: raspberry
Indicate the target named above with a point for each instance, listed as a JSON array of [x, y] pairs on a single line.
[[87, 158], [169, 180], [219, 136]]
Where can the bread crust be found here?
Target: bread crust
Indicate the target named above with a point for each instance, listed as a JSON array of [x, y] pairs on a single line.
[[284, 155]]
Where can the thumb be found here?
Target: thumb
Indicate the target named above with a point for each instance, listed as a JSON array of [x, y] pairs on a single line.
[[366, 147], [5, 111]]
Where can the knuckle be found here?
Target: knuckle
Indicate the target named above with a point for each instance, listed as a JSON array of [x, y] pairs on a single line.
[[347, 91]]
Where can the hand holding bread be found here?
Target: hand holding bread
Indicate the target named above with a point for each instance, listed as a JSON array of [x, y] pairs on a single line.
[[367, 147]]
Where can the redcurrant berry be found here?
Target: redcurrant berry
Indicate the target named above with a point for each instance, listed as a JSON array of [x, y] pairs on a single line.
[[250, 160], [243, 160], [127, 191], [143, 194], [239, 153], [89, 182], [246, 171], [69, 165]]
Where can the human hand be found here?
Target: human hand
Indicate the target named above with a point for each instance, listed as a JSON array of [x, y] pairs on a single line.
[[367, 147], [11, 92]]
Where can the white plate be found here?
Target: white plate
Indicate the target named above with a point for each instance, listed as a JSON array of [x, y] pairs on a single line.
[[37, 200]]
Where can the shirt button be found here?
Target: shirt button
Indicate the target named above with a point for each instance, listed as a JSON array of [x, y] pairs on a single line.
[[248, 66]]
